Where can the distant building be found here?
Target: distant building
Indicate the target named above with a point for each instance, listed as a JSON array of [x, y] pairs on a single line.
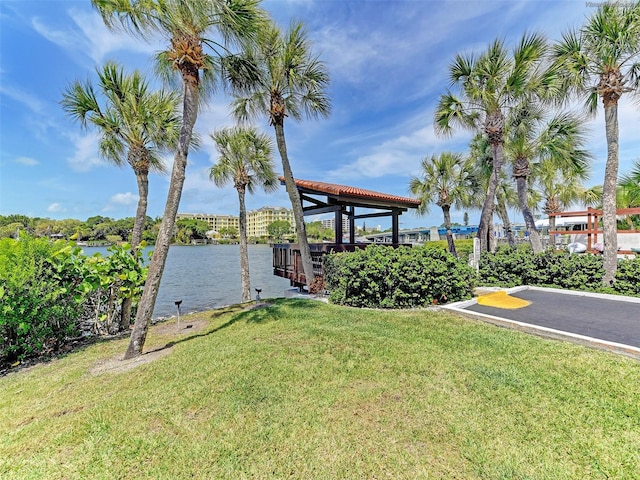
[[258, 220], [215, 222], [331, 223]]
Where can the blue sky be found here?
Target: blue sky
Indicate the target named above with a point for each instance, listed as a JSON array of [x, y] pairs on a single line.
[[388, 65]]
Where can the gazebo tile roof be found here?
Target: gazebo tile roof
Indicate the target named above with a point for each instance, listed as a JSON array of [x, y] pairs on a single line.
[[354, 192]]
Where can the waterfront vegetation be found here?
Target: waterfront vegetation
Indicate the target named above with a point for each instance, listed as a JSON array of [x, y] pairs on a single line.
[[50, 294], [99, 230], [302, 389]]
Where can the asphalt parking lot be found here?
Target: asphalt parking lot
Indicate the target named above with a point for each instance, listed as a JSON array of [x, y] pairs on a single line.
[[609, 322]]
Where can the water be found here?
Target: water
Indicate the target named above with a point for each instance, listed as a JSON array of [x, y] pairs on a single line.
[[208, 276]]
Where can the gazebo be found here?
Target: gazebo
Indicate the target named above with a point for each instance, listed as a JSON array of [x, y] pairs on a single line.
[[342, 201]]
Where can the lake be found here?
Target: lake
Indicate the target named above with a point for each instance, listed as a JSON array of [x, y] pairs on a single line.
[[208, 276]]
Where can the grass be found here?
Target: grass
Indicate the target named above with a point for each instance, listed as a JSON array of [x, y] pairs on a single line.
[[302, 389]]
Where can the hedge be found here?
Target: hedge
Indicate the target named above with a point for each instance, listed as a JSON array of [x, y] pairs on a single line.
[[384, 277]]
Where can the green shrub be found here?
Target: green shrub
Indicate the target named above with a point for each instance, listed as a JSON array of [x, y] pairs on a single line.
[[464, 247], [38, 309], [48, 290], [385, 277], [628, 277], [509, 267]]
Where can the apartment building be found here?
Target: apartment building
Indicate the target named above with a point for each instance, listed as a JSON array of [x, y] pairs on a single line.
[[257, 220], [216, 222], [331, 223]]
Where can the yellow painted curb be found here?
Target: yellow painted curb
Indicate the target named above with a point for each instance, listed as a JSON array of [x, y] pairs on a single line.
[[502, 300]]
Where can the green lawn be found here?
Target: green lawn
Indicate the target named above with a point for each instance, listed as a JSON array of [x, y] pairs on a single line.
[[301, 389]]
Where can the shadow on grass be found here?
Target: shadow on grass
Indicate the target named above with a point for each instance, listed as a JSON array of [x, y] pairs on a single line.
[[268, 311], [76, 345]]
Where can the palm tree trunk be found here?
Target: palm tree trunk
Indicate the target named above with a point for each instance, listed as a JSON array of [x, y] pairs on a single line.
[[610, 236], [244, 255], [136, 237], [156, 267], [141, 211], [506, 222], [487, 207], [447, 224], [530, 223], [296, 205], [552, 227]]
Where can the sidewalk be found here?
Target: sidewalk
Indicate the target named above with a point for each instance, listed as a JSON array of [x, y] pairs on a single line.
[[608, 322]]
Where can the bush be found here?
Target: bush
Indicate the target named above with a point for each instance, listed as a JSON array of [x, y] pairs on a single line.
[[384, 277], [38, 309], [628, 277], [48, 291], [464, 247], [509, 267]]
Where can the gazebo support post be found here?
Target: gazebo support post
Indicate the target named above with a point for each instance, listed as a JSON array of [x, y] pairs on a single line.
[[394, 227]]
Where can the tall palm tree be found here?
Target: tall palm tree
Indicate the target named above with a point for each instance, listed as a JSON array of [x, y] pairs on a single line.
[[292, 83], [187, 27], [134, 123], [561, 187], [448, 180], [489, 85], [601, 61], [246, 160], [534, 137]]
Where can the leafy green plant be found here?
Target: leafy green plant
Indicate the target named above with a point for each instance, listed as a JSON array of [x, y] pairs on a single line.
[[628, 277], [48, 290], [464, 247], [37, 307], [384, 277], [509, 267]]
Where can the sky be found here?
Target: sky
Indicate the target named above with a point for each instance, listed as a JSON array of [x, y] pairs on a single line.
[[388, 62]]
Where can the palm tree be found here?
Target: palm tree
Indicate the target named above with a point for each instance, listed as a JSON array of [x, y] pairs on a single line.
[[534, 137], [489, 85], [186, 26], [134, 123], [291, 83], [561, 187], [246, 160], [505, 196], [450, 180], [630, 185], [600, 61]]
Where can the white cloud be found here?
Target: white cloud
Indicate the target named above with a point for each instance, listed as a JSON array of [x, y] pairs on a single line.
[[27, 161], [55, 208], [85, 156], [400, 155], [124, 198], [32, 102], [120, 200], [90, 35]]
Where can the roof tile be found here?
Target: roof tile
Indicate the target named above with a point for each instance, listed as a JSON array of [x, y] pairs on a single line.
[[344, 190]]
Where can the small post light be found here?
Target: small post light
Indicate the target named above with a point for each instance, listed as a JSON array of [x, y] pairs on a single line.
[[258, 290], [178, 302]]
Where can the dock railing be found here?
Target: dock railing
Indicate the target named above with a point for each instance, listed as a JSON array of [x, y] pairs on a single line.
[[287, 261]]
